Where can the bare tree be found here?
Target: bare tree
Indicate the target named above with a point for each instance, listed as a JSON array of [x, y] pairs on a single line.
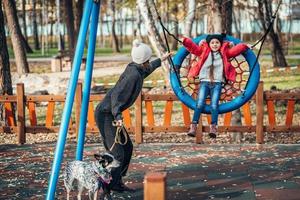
[[16, 36], [146, 8], [78, 14], [138, 23], [35, 28], [5, 76], [24, 37], [69, 19], [174, 19], [265, 13], [227, 13], [214, 17], [220, 16], [112, 11], [190, 17], [24, 18]]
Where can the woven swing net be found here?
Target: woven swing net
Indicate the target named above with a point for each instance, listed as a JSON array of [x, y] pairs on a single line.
[[229, 90]]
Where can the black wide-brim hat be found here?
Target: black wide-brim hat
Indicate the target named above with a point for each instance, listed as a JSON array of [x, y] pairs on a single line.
[[219, 37]]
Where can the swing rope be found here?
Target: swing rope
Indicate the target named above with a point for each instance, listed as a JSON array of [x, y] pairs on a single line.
[[167, 44], [262, 40]]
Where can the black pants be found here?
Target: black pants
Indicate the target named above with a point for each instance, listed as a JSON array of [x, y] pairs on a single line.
[[122, 153]]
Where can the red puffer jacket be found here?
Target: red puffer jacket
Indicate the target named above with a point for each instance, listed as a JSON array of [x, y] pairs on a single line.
[[203, 51]]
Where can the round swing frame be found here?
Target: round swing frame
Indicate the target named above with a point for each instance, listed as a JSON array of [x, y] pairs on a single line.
[[224, 107]]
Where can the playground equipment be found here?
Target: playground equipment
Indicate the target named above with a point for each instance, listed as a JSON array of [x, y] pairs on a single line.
[[89, 18], [234, 103]]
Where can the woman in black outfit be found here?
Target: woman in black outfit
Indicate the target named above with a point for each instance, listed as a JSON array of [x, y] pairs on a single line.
[[119, 98]]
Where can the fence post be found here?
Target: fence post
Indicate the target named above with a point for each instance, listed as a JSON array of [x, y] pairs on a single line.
[[21, 137], [138, 120], [155, 186], [260, 113], [199, 132], [78, 100]]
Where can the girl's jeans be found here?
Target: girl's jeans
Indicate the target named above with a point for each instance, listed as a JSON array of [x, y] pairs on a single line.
[[214, 90]]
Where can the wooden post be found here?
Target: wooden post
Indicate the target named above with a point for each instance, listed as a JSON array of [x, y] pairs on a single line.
[[199, 132], [78, 100], [138, 120], [56, 64], [155, 186], [21, 137], [260, 113]]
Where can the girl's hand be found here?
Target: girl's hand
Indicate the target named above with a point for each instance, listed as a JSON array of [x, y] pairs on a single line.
[[231, 44], [167, 55], [201, 42]]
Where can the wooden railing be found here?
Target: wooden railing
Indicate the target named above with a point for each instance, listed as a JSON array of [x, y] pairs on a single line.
[[26, 118]]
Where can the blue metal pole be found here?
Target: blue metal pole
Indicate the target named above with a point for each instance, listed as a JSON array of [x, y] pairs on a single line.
[[87, 81], [58, 156]]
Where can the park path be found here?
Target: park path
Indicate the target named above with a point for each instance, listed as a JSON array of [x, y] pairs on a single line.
[[193, 171]]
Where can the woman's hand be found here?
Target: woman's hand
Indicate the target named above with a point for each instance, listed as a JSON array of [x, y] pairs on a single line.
[[167, 55], [249, 46], [118, 123]]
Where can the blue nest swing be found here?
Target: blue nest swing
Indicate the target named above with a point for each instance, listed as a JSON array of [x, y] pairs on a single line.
[[228, 106]]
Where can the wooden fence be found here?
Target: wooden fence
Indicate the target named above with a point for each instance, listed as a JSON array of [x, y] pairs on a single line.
[[25, 120]]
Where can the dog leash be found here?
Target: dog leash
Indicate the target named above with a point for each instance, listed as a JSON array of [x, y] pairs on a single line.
[[118, 138]]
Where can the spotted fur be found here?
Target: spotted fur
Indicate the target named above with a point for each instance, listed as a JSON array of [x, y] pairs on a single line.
[[92, 176]]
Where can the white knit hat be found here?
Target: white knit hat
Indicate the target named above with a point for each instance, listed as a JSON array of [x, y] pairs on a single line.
[[140, 52]]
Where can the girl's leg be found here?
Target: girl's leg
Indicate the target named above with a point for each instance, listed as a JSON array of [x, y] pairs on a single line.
[[203, 92], [215, 93]]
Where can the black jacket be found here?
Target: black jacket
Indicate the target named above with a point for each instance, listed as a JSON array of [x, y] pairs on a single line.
[[127, 88]]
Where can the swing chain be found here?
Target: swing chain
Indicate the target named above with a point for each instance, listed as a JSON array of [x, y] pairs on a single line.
[[262, 40], [167, 44]]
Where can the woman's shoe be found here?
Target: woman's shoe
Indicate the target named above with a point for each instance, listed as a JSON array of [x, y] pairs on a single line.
[[121, 187], [213, 131], [192, 131]]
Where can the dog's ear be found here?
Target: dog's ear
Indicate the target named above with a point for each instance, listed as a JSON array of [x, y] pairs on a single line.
[[98, 156]]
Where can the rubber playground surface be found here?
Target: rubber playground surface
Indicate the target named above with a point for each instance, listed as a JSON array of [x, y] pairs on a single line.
[[194, 171]]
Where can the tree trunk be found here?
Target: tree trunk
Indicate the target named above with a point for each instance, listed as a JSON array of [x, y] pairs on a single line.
[[138, 23], [265, 13], [35, 28], [5, 76], [121, 29], [24, 37], [69, 19], [236, 22], [78, 14], [115, 42], [220, 17], [236, 121], [147, 9], [16, 36], [214, 19], [175, 25], [190, 18], [226, 10], [24, 19]]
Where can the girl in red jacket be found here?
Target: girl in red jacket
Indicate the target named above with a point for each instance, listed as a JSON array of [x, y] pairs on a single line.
[[213, 68]]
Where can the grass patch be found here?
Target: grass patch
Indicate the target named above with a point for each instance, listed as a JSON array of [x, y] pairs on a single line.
[[282, 80]]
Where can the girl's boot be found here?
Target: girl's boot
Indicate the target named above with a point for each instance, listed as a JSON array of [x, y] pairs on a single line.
[[213, 131], [192, 131]]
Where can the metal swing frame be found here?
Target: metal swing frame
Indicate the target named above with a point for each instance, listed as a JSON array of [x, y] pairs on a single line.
[[89, 21]]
